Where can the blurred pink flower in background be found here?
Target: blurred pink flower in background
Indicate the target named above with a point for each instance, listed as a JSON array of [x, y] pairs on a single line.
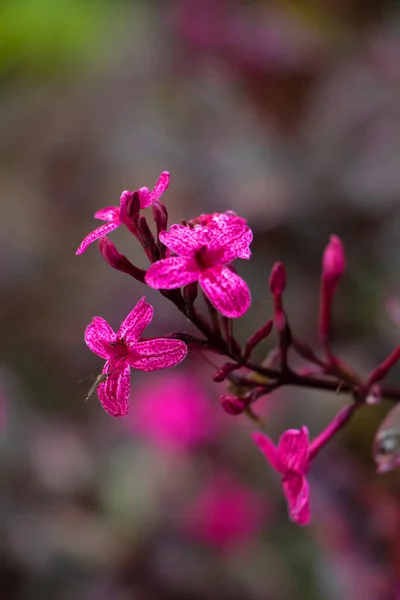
[[174, 412], [226, 513]]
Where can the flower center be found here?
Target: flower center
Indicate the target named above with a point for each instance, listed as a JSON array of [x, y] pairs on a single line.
[[207, 258], [120, 349]]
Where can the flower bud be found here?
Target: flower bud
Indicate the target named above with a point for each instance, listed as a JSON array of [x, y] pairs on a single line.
[[257, 337], [133, 207], [232, 405], [118, 261], [160, 216], [223, 373], [333, 261], [277, 279]]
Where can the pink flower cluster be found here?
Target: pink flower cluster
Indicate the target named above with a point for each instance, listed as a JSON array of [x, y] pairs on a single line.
[[199, 254]]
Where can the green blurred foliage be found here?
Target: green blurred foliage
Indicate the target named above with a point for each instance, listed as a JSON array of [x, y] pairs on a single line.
[[42, 36]]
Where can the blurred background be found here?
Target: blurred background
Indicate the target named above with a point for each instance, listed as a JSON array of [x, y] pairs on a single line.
[[286, 111]]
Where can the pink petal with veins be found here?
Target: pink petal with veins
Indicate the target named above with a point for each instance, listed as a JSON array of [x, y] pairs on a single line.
[[96, 234], [136, 322], [109, 213], [171, 273], [234, 237], [145, 197], [269, 450], [227, 291], [161, 185], [238, 237], [159, 353], [293, 450], [184, 240], [297, 494], [98, 337], [114, 392]]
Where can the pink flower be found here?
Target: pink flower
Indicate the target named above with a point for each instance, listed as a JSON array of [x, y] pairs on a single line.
[[291, 458], [174, 413], [226, 513], [202, 253], [123, 350], [115, 215]]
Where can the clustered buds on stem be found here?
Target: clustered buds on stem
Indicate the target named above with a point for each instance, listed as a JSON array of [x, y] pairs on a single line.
[[198, 255]]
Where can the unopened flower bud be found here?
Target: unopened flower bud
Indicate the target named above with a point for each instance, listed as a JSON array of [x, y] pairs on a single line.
[[223, 373], [277, 279], [160, 215], [257, 337], [333, 261], [232, 405], [133, 206], [118, 261]]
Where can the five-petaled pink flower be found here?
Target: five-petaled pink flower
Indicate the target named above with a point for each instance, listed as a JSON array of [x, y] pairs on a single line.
[[202, 253], [115, 215], [123, 350], [291, 458]]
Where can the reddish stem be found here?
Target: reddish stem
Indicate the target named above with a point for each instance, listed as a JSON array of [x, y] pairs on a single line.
[[382, 370], [334, 426]]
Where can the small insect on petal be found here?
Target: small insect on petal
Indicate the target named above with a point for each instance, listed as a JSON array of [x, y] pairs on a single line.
[[100, 378], [386, 447]]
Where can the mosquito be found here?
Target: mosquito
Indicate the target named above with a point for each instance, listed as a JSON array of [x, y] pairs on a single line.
[[100, 378]]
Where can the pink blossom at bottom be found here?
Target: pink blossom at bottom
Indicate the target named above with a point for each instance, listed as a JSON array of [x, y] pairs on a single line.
[[174, 412], [226, 514], [291, 459]]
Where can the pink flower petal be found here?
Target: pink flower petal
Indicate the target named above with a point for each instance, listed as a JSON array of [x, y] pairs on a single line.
[[268, 449], [161, 185], [145, 197], [234, 236], [227, 291], [109, 213], [293, 450], [171, 273], [114, 392], [238, 240], [297, 492], [159, 353], [96, 234], [136, 322], [98, 337], [184, 240]]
